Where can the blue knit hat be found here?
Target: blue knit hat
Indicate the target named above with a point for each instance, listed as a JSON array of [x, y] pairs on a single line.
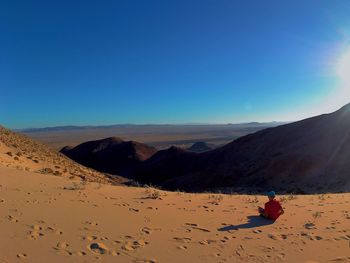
[[271, 194]]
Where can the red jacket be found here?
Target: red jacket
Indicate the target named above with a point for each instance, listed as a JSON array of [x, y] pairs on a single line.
[[273, 209]]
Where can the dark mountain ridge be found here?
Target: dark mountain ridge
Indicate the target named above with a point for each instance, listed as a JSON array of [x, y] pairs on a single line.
[[312, 154], [111, 155]]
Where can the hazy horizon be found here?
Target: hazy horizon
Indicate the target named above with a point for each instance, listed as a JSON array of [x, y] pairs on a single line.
[[150, 124]]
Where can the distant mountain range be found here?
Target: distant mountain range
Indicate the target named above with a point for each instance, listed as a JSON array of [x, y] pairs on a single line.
[[73, 127]]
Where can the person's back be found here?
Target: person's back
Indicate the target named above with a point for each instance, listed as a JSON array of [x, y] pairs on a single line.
[[273, 209]]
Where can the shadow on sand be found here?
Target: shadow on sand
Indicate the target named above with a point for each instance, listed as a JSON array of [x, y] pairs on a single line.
[[253, 221]]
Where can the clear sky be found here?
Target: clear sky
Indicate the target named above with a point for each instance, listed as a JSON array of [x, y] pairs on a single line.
[[107, 62]]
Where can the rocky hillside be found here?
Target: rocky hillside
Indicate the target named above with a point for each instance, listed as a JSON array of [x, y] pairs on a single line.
[[20, 152]]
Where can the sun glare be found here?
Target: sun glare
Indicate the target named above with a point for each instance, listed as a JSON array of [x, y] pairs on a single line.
[[343, 68], [340, 94]]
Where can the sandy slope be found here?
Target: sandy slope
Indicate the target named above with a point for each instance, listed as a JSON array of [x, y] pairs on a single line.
[[20, 152], [53, 219]]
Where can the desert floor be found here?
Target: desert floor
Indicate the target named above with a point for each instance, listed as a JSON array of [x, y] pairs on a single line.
[[46, 218]]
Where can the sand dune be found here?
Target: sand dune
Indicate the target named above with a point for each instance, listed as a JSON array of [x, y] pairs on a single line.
[[54, 219]]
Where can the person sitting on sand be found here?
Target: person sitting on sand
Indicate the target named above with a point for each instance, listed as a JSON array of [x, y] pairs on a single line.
[[273, 208]]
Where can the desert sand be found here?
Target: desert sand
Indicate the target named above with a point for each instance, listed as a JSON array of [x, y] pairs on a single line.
[[48, 218]]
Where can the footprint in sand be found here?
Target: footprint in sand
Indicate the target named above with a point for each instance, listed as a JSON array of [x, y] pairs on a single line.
[[53, 230], [182, 247], [140, 243], [182, 239], [58, 232], [273, 236], [122, 204], [12, 219], [90, 226], [34, 235], [240, 251], [207, 242], [35, 232], [98, 248], [225, 239], [148, 231], [62, 245], [115, 253], [37, 227], [196, 227], [283, 236], [130, 246], [21, 255], [90, 223]]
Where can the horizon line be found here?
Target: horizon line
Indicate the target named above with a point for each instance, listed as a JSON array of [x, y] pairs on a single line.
[[145, 124]]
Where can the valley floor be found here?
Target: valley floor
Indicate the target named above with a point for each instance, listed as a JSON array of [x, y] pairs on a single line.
[[52, 219]]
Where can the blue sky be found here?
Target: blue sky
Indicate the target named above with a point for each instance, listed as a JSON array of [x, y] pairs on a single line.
[[107, 62]]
